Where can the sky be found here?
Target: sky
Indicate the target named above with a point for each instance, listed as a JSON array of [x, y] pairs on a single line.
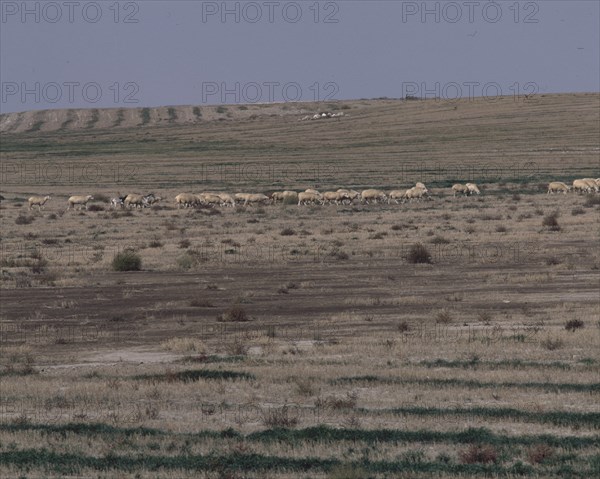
[[109, 54]]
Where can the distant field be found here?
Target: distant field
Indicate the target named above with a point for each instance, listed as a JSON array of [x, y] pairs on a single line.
[[280, 341]]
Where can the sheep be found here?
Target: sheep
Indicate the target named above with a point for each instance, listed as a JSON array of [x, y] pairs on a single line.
[[118, 201], [283, 196], [256, 198], [208, 199], [308, 197], [558, 187], [581, 186], [415, 193], [151, 199], [459, 189], [472, 189], [334, 196], [310, 190], [373, 195], [241, 197], [186, 200], [421, 185], [38, 201], [351, 195], [591, 182], [134, 200], [226, 199], [395, 195], [79, 200]]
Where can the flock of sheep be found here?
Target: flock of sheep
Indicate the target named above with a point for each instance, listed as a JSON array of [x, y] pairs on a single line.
[[309, 196], [585, 185]]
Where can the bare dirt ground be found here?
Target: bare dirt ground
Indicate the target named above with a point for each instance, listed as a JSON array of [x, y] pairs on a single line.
[[286, 341]]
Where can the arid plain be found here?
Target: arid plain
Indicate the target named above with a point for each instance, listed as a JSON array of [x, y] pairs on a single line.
[[280, 341]]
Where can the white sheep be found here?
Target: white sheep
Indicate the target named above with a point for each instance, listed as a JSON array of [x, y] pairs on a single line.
[[591, 182], [310, 190], [336, 197], [415, 193], [134, 200], [226, 199], [558, 187], [307, 197], [473, 189], [186, 200], [352, 194], [459, 189], [581, 186], [209, 199], [396, 196], [373, 195], [38, 201], [254, 198], [79, 200]]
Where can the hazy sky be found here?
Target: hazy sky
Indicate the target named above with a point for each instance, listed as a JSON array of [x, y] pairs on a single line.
[[68, 54]]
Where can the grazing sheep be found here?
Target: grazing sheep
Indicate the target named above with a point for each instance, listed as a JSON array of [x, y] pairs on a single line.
[[226, 199], [473, 189], [581, 186], [38, 201], [373, 195], [558, 187], [305, 198], [591, 182], [79, 200], [256, 198], [151, 199], [241, 197], [186, 200], [117, 202], [459, 189], [421, 185], [134, 200], [310, 190]]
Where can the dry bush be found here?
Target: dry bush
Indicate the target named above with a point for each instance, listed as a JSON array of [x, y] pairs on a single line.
[[348, 472], [577, 211], [287, 232], [574, 324], [476, 453], [127, 261], [592, 201], [184, 244], [552, 344], [278, 417], [184, 345], [95, 208], [201, 303], [444, 317], [24, 219], [539, 453], [550, 221], [418, 254], [235, 313]]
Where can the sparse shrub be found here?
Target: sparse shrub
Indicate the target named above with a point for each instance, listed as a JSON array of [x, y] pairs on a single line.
[[396, 227], [155, 243], [403, 327], [592, 201], [201, 303], [287, 232], [418, 253], [234, 314], [184, 345], [551, 221], [221, 109], [127, 261], [574, 324], [439, 240], [516, 197], [52, 216], [476, 453], [484, 316], [501, 229], [304, 386], [539, 212], [553, 260], [444, 317], [340, 255], [95, 208], [101, 198], [552, 344], [279, 417], [577, 211], [539, 453], [184, 244], [24, 219], [50, 241]]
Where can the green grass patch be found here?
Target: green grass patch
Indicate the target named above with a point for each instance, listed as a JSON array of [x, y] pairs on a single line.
[[145, 116], [471, 383]]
